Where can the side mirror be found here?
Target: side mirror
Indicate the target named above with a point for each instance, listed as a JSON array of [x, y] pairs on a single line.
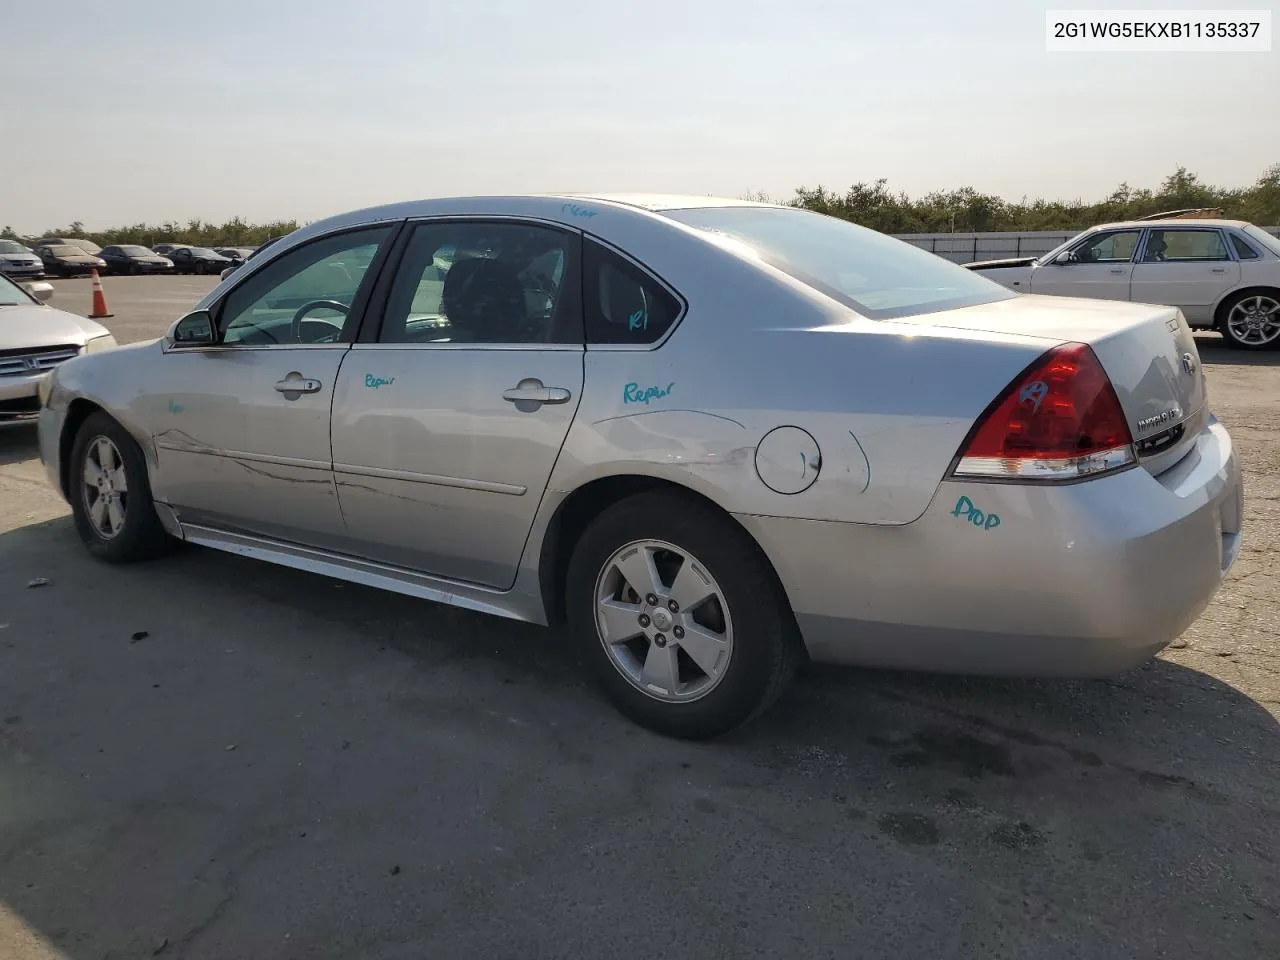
[[42, 291], [1064, 258], [194, 329]]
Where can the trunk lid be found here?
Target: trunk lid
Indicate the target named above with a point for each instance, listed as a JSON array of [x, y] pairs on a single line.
[[1148, 351]]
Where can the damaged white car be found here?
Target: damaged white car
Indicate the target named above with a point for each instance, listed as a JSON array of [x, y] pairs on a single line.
[[1222, 274]]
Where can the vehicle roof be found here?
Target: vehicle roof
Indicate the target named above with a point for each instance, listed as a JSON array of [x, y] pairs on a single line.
[[1175, 222], [661, 201]]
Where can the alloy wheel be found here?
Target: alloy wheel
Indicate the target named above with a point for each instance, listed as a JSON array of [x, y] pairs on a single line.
[[1255, 320], [663, 621], [105, 488]]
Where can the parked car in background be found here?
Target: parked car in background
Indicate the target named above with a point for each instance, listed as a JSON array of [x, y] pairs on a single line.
[[252, 253], [17, 260], [88, 246], [65, 260], [477, 402], [135, 259], [35, 338], [164, 249], [197, 260], [1222, 274], [237, 255]]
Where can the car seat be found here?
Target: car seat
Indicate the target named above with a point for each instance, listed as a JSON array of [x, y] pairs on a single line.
[[483, 301]]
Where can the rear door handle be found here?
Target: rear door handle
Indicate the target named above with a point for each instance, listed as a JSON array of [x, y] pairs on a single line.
[[532, 391], [1219, 269], [1117, 269]]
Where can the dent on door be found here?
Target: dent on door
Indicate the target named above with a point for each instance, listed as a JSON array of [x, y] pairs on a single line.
[[235, 450]]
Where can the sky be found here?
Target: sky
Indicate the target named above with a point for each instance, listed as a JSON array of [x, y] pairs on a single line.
[[279, 109]]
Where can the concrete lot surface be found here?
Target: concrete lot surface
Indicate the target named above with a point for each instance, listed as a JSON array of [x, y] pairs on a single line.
[[207, 757]]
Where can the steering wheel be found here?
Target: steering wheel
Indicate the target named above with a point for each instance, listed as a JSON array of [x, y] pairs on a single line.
[[295, 325]]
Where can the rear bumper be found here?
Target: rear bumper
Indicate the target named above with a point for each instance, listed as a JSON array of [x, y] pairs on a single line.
[[1080, 580]]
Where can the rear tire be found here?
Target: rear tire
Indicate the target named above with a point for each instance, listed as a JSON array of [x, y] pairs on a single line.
[[678, 676], [1251, 320], [110, 494]]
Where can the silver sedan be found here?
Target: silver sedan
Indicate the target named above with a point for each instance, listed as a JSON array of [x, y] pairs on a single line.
[[711, 438]]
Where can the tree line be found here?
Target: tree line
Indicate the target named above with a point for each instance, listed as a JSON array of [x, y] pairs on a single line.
[[872, 205]]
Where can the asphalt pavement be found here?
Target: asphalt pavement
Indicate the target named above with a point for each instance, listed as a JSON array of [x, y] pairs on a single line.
[[208, 757]]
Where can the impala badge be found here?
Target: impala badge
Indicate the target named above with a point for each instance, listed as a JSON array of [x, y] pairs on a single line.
[[1188, 363], [1173, 413]]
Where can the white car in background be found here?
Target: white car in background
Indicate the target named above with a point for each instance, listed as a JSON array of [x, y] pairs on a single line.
[[35, 338], [17, 260], [1222, 274]]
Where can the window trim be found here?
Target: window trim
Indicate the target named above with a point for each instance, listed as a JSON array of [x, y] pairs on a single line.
[[1133, 257], [1237, 237], [367, 336], [355, 316], [648, 272], [1229, 258]]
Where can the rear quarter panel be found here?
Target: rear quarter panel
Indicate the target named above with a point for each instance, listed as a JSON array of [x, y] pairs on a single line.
[[887, 404]]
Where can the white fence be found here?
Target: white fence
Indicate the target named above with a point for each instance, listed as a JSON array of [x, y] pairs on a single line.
[[966, 247]]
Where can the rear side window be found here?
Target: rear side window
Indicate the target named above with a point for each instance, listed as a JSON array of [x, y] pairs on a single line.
[[623, 304], [876, 275], [1243, 250]]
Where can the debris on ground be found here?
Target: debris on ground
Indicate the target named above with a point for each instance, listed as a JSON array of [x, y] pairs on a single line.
[[38, 582], [139, 635]]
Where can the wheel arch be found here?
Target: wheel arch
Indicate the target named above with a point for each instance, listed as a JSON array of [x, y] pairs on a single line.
[[78, 411], [574, 514], [1220, 310]]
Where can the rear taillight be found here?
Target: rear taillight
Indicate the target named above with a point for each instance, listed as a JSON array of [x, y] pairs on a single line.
[[1060, 420]]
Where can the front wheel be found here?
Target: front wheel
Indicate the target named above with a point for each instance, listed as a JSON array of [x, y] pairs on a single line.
[[1251, 321], [110, 494], [680, 616]]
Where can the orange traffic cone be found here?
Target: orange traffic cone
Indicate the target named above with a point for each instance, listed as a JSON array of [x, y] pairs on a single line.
[[99, 298]]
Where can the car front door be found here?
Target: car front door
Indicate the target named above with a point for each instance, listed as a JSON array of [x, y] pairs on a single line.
[[241, 427], [1099, 266], [1186, 268], [448, 421]]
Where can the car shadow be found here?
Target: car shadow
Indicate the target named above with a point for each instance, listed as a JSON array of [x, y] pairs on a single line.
[[1214, 349], [179, 736], [18, 442]]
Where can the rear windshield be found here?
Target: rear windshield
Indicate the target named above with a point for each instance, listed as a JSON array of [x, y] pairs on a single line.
[[872, 273], [1263, 238]]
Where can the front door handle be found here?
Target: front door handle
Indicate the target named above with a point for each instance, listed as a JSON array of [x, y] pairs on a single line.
[[532, 391], [1219, 269], [1117, 269], [296, 384]]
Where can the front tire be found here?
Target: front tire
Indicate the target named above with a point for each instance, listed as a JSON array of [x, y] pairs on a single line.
[[680, 616], [1251, 320], [110, 494]]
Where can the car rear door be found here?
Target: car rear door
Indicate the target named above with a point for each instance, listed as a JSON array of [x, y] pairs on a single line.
[[241, 428], [1185, 267], [450, 412], [1099, 267]]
